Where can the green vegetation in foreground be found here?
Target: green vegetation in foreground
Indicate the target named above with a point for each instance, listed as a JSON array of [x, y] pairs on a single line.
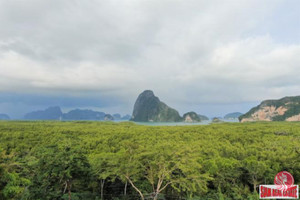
[[93, 160]]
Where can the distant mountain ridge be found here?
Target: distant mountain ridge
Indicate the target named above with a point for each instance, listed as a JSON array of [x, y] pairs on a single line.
[[79, 114], [51, 113], [203, 117], [117, 116], [284, 109], [234, 115], [55, 113], [126, 117], [4, 117]]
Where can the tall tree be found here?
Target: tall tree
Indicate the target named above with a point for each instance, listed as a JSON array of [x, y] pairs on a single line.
[[58, 169]]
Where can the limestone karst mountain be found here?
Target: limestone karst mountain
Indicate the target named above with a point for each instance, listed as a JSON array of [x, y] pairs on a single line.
[[191, 117], [148, 108]]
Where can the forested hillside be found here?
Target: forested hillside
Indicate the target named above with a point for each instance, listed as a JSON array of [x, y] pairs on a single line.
[[94, 160], [284, 109]]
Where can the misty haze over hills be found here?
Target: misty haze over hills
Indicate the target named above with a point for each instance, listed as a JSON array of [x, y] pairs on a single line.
[[17, 110], [55, 113], [149, 108]]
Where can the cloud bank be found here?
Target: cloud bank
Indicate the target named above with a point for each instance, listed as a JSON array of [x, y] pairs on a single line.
[[190, 53]]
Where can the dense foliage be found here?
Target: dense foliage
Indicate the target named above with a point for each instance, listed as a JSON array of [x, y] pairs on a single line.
[[94, 160]]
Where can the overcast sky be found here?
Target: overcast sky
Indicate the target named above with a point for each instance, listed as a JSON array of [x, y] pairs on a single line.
[[210, 56]]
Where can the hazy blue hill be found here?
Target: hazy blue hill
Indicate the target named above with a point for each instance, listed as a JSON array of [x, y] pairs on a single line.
[[216, 120], [233, 115], [108, 117], [126, 117], [117, 116], [203, 117], [79, 114], [55, 113], [4, 117], [148, 108], [51, 113]]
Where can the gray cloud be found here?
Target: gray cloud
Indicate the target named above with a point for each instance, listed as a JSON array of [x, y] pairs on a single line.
[[188, 52]]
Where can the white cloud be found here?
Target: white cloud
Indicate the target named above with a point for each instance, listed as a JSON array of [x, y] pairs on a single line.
[[19, 73]]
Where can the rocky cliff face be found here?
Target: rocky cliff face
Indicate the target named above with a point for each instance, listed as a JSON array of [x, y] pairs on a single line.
[[148, 108], [191, 117], [285, 109]]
